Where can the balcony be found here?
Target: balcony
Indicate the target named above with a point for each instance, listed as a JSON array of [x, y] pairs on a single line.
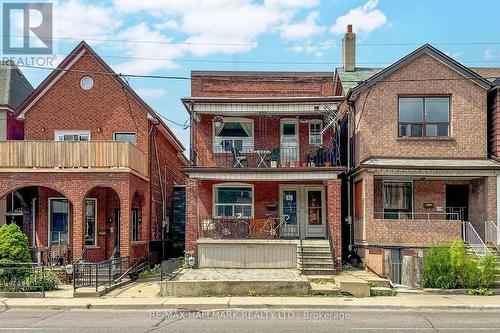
[[79, 155]]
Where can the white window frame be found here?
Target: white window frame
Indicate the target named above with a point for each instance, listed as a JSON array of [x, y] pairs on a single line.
[[384, 181], [229, 185], [119, 132], [320, 122], [249, 149], [138, 231], [95, 223], [49, 219], [58, 133]]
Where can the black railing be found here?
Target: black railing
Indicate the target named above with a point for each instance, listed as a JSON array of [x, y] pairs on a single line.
[[281, 157], [249, 228], [22, 277], [96, 274], [169, 268]]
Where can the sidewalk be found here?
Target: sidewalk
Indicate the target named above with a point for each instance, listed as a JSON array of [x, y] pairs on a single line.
[[400, 302]]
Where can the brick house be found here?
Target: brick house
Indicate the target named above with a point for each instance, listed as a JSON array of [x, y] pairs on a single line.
[[264, 168], [93, 176], [419, 160]]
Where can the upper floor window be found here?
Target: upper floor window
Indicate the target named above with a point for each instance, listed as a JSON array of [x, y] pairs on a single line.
[[72, 136], [233, 133], [315, 128], [130, 137], [424, 116]]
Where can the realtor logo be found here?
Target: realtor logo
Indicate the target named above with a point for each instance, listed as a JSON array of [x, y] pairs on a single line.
[[27, 28]]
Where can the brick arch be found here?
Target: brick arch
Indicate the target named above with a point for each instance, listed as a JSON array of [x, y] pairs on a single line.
[[12, 188], [103, 185]]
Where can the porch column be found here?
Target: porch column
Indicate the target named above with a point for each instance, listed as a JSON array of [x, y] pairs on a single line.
[[125, 226], [191, 214], [77, 229], [369, 205], [333, 198]]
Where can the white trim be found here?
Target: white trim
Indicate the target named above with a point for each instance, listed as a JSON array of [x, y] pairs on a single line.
[[234, 120], [243, 109], [61, 73], [265, 176], [315, 121], [95, 223], [297, 135], [49, 220], [225, 185], [70, 132]]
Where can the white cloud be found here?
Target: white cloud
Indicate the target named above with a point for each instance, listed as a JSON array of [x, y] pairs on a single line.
[[490, 54], [302, 30], [316, 48], [292, 3], [150, 92], [365, 18]]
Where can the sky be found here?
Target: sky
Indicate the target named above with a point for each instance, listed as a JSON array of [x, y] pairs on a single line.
[[173, 37]]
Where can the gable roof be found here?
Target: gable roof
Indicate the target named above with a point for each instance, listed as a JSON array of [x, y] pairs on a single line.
[[66, 65], [350, 79], [14, 87], [489, 73], [425, 49]]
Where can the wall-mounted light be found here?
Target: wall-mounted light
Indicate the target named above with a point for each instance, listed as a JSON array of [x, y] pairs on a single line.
[[218, 121], [98, 129], [43, 129]]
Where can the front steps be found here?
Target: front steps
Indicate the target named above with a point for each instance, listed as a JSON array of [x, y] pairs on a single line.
[[315, 258]]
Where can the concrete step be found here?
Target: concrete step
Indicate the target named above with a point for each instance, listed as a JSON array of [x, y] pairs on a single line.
[[314, 253], [315, 266], [315, 259], [329, 289], [316, 271]]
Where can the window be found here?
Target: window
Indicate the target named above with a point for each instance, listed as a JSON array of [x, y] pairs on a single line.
[[91, 222], [315, 128], [424, 116], [233, 133], [233, 201], [87, 83], [130, 137], [59, 221], [135, 224], [72, 136], [397, 198]]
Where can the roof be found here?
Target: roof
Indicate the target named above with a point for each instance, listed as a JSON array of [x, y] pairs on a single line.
[[277, 99], [14, 87], [404, 163], [489, 73], [425, 49], [66, 64], [260, 73], [351, 79]]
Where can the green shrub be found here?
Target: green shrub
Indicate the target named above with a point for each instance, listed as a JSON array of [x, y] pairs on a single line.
[[35, 281], [451, 267], [13, 244], [481, 292], [438, 272]]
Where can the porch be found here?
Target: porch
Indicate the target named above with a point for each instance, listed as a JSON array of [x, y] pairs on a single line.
[[76, 216]]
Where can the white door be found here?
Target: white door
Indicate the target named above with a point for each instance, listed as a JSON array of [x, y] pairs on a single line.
[[304, 205], [289, 141], [314, 211]]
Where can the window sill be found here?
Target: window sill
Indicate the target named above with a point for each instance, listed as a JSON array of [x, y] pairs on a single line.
[[424, 138], [138, 242], [91, 247]]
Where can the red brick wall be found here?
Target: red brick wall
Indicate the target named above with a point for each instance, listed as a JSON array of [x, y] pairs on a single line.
[[377, 124], [266, 137], [261, 84], [333, 200]]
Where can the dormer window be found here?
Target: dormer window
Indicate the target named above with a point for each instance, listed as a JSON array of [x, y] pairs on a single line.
[[424, 116]]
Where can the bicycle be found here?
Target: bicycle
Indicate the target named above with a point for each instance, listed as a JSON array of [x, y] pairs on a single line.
[[226, 228], [274, 229]]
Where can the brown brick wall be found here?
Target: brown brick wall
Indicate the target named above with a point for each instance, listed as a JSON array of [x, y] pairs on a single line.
[[377, 124], [261, 85], [494, 122]]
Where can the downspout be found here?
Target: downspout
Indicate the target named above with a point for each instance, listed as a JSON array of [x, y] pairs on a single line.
[[191, 135], [350, 152]]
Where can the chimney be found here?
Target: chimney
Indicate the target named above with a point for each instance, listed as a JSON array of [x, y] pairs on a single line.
[[349, 50]]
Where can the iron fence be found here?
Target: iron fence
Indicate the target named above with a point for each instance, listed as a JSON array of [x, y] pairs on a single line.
[[169, 268], [22, 277], [90, 274]]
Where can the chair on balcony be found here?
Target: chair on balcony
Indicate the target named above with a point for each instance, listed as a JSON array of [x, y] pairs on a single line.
[[238, 158], [273, 157]]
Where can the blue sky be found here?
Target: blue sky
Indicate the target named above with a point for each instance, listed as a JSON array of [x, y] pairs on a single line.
[[303, 35]]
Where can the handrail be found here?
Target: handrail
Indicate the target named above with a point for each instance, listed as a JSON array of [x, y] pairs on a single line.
[[332, 247], [130, 269], [475, 242], [491, 233]]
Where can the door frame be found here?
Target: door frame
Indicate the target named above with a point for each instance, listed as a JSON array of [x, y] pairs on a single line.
[[297, 134], [302, 206], [49, 220]]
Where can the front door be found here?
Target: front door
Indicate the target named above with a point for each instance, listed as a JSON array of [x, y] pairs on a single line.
[[289, 142], [305, 209]]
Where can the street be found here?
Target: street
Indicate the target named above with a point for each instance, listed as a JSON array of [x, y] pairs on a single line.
[[265, 320]]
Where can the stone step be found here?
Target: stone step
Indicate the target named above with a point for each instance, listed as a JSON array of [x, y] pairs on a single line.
[[322, 278], [316, 271], [314, 266], [314, 259], [314, 253], [324, 289]]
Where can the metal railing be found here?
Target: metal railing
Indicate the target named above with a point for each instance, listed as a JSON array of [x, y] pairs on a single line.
[[417, 215], [475, 242], [169, 268], [22, 277], [248, 228], [108, 272], [277, 157], [491, 232]]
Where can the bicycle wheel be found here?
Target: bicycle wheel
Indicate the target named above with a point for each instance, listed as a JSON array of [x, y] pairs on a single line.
[[217, 231], [241, 230]]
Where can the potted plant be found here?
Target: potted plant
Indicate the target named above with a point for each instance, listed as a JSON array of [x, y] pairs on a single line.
[[297, 164], [304, 164], [287, 164]]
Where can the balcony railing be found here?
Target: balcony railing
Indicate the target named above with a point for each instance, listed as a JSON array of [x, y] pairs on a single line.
[[278, 157], [418, 216], [72, 154]]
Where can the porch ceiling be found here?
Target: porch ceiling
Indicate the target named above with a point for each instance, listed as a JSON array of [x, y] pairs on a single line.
[[269, 174]]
